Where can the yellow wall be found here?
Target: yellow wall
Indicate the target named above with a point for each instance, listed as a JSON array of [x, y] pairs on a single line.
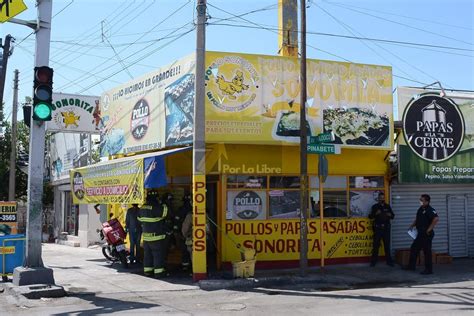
[[252, 159]]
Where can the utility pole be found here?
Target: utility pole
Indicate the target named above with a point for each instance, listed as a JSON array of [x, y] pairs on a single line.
[[199, 150], [33, 270], [3, 72], [303, 147], [11, 182]]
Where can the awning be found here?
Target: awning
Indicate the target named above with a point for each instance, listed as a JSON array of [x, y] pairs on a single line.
[[120, 181]]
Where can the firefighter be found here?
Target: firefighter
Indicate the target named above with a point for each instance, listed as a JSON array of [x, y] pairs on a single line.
[[152, 217], [185, 209]]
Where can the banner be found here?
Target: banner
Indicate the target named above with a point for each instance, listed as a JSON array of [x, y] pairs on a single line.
[[68, 151], [110, 183], [255, 99], [442, 151], [75, 113], [280, 240], [151, 112]]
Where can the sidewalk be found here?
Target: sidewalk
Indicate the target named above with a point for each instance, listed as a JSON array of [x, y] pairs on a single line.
[[84, 271], [354, 276]]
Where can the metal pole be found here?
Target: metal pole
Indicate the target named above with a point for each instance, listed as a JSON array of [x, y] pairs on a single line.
[[11, 182], [37, 145], [321, 218], [303, 148], [3, 72], [199, 150]]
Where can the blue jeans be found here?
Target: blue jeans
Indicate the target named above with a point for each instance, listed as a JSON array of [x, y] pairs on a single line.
[[135, 238]]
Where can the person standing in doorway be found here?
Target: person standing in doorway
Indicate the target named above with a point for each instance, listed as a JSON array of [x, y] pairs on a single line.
[[382, 214], [425, 222], [134, 229]]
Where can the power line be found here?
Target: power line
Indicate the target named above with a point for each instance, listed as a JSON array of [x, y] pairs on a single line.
[[437, 22], [387, 41], [272, 30], [140, 58], [352, 31], [65, 7], [400, 23], [143, 35], [389, 52]]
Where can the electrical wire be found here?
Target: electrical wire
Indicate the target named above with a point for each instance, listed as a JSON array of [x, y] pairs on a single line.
[[389, 52], [403, 24], [143, 35], [318, 49], [437, 22], [139, 58]]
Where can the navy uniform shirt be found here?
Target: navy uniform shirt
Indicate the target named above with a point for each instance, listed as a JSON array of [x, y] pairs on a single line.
[[424, 218], [383, 218]]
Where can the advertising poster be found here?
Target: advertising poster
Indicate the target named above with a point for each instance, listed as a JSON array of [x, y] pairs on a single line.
[[8, 217], [75, 113], [117, 183], [246, 204], [68, 151], [255, 99], [438, 143], [149, 112], [280, 239]]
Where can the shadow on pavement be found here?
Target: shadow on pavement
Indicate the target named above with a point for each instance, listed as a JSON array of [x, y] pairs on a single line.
[[461, 300], [106, 305]]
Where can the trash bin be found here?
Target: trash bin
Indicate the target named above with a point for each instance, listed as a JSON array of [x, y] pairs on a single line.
[[12, 251]]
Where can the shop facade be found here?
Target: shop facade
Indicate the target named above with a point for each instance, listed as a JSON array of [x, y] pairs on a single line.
[[251, 187], [448, 177]]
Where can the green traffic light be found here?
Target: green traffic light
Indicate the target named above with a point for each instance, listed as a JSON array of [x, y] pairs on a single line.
[[42, 111]]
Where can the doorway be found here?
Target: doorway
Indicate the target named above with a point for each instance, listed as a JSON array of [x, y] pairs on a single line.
[[211, 213], [457, 225]]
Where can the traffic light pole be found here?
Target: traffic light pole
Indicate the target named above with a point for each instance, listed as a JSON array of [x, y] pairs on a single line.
[[33, 270]]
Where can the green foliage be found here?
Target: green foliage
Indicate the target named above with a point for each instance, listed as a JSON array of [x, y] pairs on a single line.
[[5, 150]]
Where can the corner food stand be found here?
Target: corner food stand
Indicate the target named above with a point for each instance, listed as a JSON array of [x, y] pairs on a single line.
[[252, 152]]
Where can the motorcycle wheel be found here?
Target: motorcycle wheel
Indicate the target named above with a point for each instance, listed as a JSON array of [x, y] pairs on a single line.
[[108, 254], [123, 259]]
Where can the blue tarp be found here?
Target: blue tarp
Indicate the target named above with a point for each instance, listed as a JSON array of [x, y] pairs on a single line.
[[155, 169]]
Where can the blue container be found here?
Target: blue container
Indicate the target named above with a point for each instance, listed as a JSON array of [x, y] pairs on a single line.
[[12, 253]]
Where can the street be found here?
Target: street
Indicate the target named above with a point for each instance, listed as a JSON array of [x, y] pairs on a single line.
[[96, 288]]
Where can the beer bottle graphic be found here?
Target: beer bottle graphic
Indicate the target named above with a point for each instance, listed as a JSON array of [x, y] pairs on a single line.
[[434, 113]]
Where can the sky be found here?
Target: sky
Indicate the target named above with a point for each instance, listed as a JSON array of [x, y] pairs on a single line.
[[97, 45]]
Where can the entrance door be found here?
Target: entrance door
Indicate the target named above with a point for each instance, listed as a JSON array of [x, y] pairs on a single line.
[[211, 212], [457, 213]]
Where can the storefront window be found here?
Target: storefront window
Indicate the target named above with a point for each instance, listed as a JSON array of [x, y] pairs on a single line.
[[284, 204], [334, 203], [246, 205], [361, 202], [366, 182], [332, 182], [241, 181], [285, 182]]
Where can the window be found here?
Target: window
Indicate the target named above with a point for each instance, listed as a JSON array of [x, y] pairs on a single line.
[[361, 202], [334, 203], [284, 204], [332, 182], [240, 181], [285, 182], [366, 182]]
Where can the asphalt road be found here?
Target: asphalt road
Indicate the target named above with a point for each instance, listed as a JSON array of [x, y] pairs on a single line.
[[97, 288]]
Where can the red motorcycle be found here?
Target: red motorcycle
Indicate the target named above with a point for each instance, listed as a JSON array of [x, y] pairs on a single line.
[[114, 235]]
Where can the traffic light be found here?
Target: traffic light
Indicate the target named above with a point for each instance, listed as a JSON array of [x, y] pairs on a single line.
[[43, 94]]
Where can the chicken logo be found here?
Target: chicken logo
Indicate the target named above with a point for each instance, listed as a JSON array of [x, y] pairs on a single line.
[[231, 83], [231, 87], [70, 118]]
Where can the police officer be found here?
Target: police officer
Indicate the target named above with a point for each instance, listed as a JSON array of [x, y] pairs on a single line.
[[152, 217], [425, 221], [382, 214]]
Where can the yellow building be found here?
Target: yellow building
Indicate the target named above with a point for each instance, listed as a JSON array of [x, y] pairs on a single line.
[[252, 154]]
